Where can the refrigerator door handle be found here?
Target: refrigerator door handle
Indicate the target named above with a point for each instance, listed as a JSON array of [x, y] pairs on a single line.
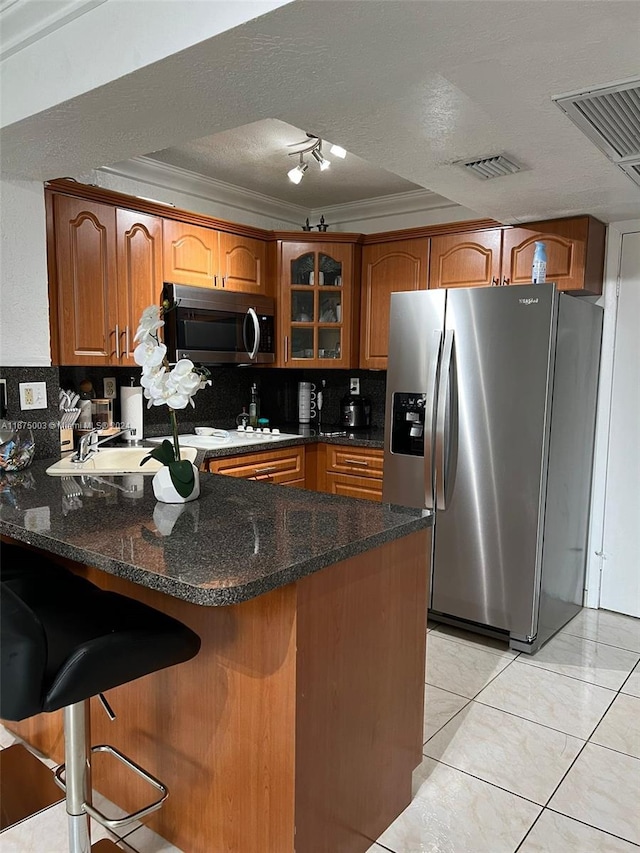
[[445, 425], [429, 418]]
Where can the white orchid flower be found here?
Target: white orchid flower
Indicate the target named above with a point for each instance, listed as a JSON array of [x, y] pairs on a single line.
[[162, 386], [149, 353], [150, 322]]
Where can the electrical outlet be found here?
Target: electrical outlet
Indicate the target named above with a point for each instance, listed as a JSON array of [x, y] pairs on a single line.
[[354, 385], [109, 387], [33, 395]]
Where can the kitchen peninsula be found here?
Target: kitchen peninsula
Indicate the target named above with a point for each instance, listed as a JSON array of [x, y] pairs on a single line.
[[299, 723]]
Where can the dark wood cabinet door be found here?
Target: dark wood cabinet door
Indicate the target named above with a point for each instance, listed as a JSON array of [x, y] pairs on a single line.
[[466, 260], [387, 267], [139, 251], [85, 245]]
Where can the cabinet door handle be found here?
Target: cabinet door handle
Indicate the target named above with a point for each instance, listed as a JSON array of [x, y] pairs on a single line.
[[126, 339], [224, 280], [506, 281], [117, 334], [286, 348], [495, 282], [259, 472], [360, 462]]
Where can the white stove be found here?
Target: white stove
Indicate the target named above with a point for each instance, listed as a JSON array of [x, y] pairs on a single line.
[[229, 438]]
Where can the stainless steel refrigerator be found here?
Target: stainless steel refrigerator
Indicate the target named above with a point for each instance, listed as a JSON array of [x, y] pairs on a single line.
[[489, 422]]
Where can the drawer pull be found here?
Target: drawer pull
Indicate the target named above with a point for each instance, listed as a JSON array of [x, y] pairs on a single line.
[[361, 462], [259, 471]]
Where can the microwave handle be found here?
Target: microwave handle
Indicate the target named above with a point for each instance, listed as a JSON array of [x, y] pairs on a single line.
[[256, 325]]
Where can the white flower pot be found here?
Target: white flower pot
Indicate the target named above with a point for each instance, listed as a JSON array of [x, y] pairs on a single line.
[[165, 491]]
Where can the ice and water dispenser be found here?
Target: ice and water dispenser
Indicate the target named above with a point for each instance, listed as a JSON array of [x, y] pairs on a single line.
[[407, 424]]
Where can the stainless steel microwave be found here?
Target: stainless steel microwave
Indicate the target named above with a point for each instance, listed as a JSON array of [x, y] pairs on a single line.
[[218, 327]]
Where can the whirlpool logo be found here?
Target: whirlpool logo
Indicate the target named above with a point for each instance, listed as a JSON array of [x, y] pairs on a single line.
[[530, 301]]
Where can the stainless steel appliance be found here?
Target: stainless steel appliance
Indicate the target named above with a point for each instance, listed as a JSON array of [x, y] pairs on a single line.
[[355, 411], [490, 417], [218, 327]]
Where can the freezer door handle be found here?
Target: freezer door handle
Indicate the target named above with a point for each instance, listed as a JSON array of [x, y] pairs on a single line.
[[429, 418], [445, 425]]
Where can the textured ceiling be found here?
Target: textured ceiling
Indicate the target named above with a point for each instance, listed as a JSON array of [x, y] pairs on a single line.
[[258, 157], [408, 86]]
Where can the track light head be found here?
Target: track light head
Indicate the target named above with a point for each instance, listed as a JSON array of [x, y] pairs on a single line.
[[296, 174], [322, 160]]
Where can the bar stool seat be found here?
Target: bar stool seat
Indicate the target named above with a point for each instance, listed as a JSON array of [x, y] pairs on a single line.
[[63, 640]]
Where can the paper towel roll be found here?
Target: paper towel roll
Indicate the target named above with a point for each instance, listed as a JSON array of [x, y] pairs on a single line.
[[131, 412]]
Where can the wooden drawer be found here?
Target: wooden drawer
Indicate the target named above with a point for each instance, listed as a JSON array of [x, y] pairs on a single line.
[[272, 466], [360, 461], [350, 486]]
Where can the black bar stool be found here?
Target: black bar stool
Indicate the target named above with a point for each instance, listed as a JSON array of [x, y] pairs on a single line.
[[65, 640]]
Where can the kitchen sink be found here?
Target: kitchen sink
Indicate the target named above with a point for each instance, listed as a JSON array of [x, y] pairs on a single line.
[[115, 460]]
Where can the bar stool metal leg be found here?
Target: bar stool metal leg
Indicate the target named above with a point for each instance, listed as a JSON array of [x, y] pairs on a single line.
[[77, 738]]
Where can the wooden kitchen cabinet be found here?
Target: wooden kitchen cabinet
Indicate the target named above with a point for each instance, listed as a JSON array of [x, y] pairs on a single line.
[[387, 267], [503, 256], [318, 303], [284, 466], [243, 263], [466, 260], [575, 253], [354, 472], [139, 262], [86, 281], [205, 257], [191, 253], [107, 268]]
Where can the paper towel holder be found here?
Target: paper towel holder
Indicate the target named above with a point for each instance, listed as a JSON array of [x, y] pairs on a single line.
[[131, 413]]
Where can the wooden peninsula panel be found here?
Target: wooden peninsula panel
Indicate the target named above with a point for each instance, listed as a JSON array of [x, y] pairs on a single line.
[[297, 726]]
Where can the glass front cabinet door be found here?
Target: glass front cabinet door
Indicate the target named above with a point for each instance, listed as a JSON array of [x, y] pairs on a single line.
[[317, 292]]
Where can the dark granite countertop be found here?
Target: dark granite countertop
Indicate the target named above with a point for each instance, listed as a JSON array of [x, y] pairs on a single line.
[[331, 435], [238, 540]]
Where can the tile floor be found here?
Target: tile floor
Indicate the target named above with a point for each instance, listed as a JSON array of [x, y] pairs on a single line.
[[530, 754], [534, 754]]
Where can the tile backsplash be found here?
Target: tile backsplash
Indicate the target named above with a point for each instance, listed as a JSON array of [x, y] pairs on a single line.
[[44, 423], [230, 390], [217, 405]]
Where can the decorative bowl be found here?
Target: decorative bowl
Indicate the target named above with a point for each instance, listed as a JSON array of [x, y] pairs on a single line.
[[16, 450]]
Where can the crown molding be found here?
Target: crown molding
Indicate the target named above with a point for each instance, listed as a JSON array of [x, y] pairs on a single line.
[[414, 201], [22, 24], [175, 179]]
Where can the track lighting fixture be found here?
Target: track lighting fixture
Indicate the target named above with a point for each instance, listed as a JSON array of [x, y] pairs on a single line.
[[312, 146]]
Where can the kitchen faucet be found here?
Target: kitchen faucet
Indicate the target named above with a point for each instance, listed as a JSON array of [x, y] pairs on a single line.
[[89, 443]]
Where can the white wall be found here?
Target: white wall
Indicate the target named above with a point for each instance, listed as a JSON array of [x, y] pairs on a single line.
[[92, 46], [24, 315], [609, 301]]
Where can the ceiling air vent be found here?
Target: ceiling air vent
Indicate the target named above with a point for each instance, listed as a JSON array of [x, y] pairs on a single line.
[[491, 167], [610, 117]]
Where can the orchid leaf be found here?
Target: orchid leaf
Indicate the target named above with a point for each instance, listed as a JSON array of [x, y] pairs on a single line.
[[163, 453], [182, 477]]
